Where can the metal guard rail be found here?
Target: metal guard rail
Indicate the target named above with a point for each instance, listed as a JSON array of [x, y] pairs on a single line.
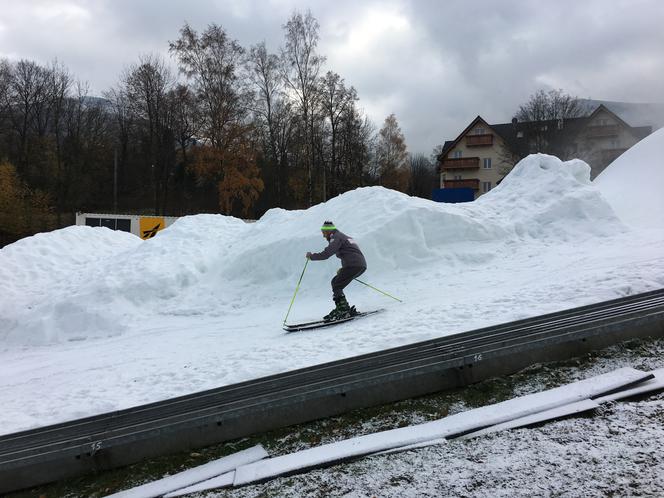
[[123, 437]]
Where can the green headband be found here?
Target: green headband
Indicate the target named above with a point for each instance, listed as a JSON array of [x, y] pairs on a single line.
[[328, 228]]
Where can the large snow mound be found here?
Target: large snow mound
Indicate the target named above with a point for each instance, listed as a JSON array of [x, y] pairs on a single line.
[[544, 197], [34, 269], [100, 281], [632, 184]]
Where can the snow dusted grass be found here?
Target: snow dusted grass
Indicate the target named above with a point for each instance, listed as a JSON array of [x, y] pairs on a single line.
[[615, 451]]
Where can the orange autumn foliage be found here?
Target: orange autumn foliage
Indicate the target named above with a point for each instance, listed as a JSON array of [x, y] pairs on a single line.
[[236, 174], [22, 211]]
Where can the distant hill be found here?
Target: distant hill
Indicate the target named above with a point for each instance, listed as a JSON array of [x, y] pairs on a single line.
[[634, 114], [91, 100]]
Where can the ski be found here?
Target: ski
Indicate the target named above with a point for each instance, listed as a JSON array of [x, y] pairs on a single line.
[[322, 323]]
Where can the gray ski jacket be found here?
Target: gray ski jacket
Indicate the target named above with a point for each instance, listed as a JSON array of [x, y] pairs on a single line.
[[344, 248]]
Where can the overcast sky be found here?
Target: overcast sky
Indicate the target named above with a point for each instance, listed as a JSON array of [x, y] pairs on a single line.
[[434, 64]]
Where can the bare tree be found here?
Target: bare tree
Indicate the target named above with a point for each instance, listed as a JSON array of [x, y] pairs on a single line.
[[251, 114], [84, 172], [147, 86], [301, 68], [423, 178], [61, 82], [28, 109], [265, 74], [185, 129], [284, 124], [122, 126], [544, 106], [50, 134], [435, 154], [213, 61], [363, 140], [273, 115], [543, 117], [336, 99], [5, 75]]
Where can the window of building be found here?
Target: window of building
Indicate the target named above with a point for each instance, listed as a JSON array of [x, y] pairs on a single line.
[[458, 177], [486, 186], [124, 225], [487, 163], [112, 223], [456, 154], [108, 223], [519, 134], [479, 131]]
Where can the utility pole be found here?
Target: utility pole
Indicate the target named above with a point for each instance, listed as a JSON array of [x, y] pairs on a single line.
[[115, 180], [154, 182]]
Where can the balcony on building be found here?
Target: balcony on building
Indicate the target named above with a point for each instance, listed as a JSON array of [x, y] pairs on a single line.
[[610, 155], [473, 183], [461, 163], [479, 140], [602, 131]]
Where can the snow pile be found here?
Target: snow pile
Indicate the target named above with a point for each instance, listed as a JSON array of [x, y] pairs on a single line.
[[637, 174], [544, 197], [181, 257], [41, 262], [201, 305], [36, 270], [215, 265]]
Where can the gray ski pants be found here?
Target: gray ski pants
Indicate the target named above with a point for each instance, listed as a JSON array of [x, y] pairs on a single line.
[[343, 277]]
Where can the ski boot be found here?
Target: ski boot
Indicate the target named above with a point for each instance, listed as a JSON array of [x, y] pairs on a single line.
[[341, 311]]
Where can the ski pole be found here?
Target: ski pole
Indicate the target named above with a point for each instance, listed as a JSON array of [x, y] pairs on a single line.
[[382, 292], [296, 289]]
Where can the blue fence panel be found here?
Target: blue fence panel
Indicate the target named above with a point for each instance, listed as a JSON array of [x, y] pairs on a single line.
[[453, 195]]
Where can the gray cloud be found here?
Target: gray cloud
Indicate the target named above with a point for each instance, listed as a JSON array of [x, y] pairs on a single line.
[[436, 65]]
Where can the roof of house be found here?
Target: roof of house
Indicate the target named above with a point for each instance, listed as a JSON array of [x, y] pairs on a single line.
[[451, 143], [647, 114], [555, 130]]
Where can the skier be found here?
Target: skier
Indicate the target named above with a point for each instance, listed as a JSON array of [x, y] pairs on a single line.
[[353, 265]]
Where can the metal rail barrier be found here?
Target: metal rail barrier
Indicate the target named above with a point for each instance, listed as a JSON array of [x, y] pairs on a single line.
[[119, 438]]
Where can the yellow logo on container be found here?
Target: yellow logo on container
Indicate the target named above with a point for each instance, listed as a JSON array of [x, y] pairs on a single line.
[[149, 226]]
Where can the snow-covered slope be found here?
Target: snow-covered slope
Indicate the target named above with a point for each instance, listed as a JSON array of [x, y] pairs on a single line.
[[201, 305], [632, 184], [206, 262]]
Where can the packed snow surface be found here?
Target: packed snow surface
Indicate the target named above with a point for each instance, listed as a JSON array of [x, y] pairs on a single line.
[[633, 183], [93, 320]]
